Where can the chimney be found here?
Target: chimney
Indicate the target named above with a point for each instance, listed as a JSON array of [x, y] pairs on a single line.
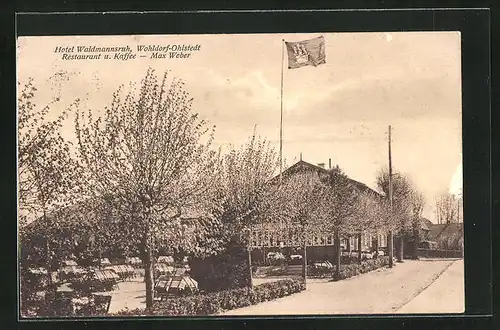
[[329, 163], [322, 165]]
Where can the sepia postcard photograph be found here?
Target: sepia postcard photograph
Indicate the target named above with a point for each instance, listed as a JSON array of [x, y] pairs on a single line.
[[240, 174]]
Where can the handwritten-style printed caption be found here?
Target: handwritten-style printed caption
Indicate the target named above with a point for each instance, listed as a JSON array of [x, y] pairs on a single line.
[[127, 53]]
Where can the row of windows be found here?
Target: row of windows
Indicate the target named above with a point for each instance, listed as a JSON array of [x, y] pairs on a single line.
[[284, 238]]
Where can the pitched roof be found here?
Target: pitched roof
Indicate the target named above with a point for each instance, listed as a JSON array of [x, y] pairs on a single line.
[[445, 230], [81, 212], [76, 214], [426, 224], [305, 166]]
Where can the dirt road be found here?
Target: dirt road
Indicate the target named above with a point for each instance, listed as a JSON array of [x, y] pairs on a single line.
[[379, 292], [447, 293]]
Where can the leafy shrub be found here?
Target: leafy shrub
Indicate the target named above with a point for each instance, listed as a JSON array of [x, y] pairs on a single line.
[[215, 302], [351, 270], [226, 270], [319, 272], [37, 297], [350, 259], [277, 271], [132, 312]]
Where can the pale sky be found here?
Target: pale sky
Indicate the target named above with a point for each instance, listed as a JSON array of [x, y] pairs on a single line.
[[338, 110]]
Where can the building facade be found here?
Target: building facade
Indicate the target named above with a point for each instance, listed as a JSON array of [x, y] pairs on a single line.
[[282, 236]]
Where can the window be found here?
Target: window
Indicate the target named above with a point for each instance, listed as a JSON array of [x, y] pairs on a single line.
[[384, 240]]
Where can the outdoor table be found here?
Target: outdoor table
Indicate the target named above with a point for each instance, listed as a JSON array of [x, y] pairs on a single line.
[[130, 270], [38, 271], [164, 269], [68, 272], [323, 264], [106, 277], [123, 271], [69, 263], [106, 274], [174, 284], [165, 259], [105, 261], [133, 260]]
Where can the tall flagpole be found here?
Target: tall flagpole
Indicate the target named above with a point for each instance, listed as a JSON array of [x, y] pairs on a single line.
[[281, 112]]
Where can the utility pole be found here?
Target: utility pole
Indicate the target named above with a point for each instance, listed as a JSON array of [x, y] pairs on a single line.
[[390, 240]]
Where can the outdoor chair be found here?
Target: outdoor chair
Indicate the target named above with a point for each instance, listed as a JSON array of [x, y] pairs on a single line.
[[104, 280], [174, 285]]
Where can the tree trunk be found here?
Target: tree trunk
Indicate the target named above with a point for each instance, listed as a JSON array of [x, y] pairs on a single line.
[[416, 242], [50, 292], [399, 247], [390, 248], [304, 254], [376, 245], [250, 279], [304, 262], [148, 277], [338, 252], [47, 251], [396, 247], [349, 245], [359, 248], [99, 257], [49, 264]]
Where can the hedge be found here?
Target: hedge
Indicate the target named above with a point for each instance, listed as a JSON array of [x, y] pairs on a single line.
[[351, 270], [213, 303], [347, 270], [225, 271]]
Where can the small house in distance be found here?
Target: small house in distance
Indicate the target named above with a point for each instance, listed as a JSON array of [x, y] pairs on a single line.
[[448, 236]]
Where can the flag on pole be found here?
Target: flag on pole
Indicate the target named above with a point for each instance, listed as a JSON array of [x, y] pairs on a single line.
[[306, 52]]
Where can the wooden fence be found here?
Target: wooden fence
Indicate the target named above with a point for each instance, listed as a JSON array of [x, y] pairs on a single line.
[[428, 253]]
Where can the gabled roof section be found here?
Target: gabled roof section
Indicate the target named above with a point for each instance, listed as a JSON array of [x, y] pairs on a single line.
[[445, 230], [303, 166], [80, 213], [426, 224]]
